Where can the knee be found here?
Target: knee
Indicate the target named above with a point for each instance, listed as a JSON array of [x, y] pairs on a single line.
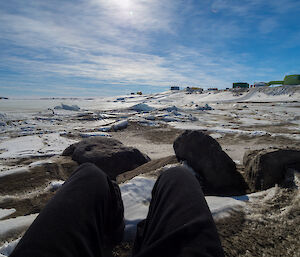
[[89, 169], [179, 173]]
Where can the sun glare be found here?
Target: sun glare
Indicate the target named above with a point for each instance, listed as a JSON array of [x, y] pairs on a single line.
[[124, 4], [126, 7]]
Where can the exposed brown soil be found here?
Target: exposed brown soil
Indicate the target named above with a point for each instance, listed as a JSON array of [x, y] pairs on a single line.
[[26, 205], [146, 168], [270, 228], [158, 135], [37, 176]]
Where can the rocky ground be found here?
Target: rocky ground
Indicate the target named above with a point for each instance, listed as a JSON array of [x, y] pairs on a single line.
[[269, 224]]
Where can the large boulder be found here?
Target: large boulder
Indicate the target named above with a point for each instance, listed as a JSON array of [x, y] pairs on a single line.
[[266, 167], [108, 154], [217, 171]]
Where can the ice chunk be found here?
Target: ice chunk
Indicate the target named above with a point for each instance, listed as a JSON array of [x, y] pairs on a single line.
[[94, 134], [120, 125], [150, 117], [105, 129], [205, 108], [171, 108], [141, 108], [68, 107]]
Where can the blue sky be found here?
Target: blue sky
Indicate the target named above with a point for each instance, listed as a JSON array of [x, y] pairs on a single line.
[[113, 47]]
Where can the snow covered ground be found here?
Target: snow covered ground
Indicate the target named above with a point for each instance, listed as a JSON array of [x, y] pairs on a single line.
[[37, 145], [31, 129], [34, 127]]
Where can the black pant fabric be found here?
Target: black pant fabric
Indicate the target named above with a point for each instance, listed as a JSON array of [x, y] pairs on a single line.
[[179, 222], [86, 215], [83, 217]]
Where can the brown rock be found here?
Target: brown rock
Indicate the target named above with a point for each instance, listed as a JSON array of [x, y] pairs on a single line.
[[266, 167]]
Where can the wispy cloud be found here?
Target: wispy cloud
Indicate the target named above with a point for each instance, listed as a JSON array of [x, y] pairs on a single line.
[[97, 45]]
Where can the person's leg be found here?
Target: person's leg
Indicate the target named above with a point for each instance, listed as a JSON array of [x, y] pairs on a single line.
[[84, 216], [179, 222]]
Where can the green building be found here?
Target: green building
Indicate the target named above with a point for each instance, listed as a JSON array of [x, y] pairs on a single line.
[[292, 80], [275, 82], [240, 85], [288, 80]]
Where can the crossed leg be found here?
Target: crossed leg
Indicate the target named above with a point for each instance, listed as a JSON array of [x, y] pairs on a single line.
[[86, 216]]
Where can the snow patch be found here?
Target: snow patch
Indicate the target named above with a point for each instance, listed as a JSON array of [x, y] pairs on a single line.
[[221, 207], [8, 247], [6, 212], [14, 171], [94, 134], [13, 226], [54, 185], [26, 146], [136, 195]]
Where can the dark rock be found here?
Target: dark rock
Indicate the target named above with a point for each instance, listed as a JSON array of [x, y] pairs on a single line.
[[108, 154], [267, 167], [216, 169], [69, 150]]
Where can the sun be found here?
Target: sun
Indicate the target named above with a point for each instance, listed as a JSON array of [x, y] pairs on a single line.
[[125, 7], [124, 4]]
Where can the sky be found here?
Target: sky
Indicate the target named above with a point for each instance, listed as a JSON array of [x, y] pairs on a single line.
[[61, 48]]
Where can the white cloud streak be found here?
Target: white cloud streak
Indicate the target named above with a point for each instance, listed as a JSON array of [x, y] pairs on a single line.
[[115, 42]]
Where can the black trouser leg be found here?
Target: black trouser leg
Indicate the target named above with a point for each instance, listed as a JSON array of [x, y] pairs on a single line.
[[81, 219], [179, 222]]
